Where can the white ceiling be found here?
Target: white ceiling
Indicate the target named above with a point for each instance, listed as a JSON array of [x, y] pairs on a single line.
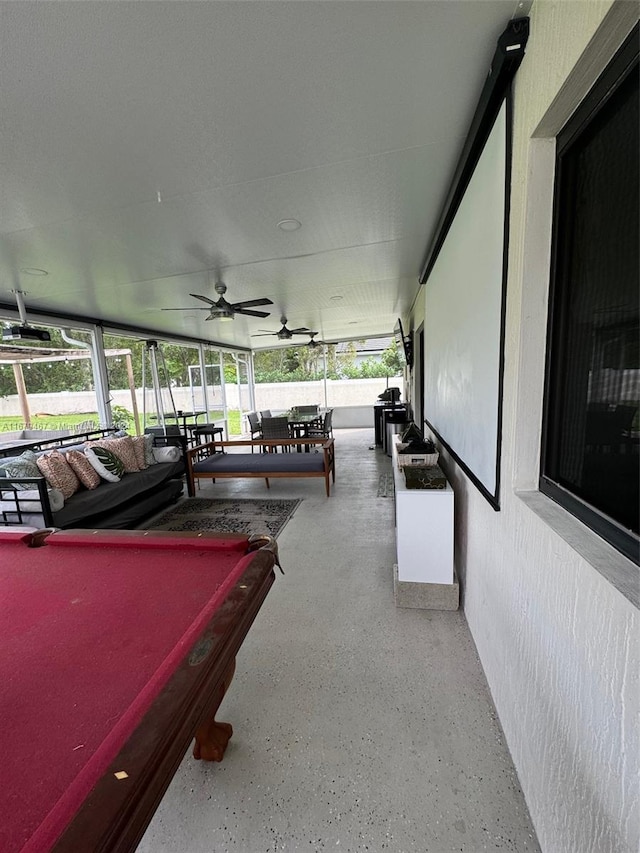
[[347, 116]]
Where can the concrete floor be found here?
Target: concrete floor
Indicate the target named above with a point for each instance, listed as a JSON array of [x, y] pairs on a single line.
[[358, 726]]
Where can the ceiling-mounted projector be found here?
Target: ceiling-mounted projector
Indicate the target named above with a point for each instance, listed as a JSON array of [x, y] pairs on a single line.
[[25, 333]]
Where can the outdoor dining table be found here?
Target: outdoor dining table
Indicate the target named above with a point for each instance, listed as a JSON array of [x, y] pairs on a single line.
[[181, 418], [299, 425], [184, 417]]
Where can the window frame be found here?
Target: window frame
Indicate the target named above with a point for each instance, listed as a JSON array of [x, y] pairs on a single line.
[[624, 63]]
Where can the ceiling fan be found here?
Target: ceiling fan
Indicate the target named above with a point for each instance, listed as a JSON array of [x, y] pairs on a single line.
[[313, 343], [223, 310], [285, 334]]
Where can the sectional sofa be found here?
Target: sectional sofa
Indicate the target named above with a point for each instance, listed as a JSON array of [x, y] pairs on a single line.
[[123, 504]]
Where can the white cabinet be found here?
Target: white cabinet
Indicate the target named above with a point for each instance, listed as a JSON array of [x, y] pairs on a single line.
[[424, 532]]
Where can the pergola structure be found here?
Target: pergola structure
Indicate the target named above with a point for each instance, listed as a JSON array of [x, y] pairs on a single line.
[[16, 356]]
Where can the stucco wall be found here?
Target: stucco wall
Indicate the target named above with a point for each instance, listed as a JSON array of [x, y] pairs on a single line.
[[558, 641]]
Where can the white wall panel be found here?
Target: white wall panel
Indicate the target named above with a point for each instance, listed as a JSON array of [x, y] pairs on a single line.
[[558, 641]]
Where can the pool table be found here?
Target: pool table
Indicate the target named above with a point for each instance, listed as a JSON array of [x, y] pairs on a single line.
[[117, 649]]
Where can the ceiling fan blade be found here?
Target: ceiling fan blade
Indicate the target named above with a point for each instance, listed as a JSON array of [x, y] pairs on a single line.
[[251, 303], [203, 298], [250, 313], [300, 331], [263, 334], [223, 309], [192, 308]]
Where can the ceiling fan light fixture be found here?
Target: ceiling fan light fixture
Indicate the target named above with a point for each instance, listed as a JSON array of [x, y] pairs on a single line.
[[289, 225], [222, 314]]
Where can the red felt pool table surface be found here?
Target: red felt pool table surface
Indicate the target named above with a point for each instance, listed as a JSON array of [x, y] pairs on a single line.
[[103, 634]]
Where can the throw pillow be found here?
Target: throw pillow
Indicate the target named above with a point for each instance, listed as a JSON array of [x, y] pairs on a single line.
[[106, 463], [167, 454], [122, 448], [56, 499], [149, 458], [21, 466], [58, 473], [28, 496], [83, 469], [138, 446]]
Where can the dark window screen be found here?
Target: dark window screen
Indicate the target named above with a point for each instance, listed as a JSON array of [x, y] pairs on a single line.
[[591, 430]]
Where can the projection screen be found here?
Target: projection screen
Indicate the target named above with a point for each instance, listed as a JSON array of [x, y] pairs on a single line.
[[464, 321]]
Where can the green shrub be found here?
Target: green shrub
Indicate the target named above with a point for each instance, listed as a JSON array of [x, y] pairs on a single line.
[[122, 417]]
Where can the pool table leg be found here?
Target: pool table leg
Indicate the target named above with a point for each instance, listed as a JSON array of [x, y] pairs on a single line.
[[212, 737]]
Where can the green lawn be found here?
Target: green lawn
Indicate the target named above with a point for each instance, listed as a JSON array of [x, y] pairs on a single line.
[[9, 423]]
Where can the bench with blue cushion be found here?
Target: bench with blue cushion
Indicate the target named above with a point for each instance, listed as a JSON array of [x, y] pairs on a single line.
[[204, 463]]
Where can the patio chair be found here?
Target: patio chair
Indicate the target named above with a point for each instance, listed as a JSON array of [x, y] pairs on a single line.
[[266, 414], [273, 428], [207, 433], [306, 410], [255, 429], [325, 430]]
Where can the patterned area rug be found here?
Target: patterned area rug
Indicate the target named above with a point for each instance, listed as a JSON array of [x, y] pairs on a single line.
[[385, 485], [232, 516]]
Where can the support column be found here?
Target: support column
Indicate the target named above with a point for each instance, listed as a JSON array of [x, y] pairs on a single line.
[[132, 389], [22, 394]]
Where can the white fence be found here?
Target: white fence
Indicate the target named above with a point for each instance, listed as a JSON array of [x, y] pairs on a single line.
[[351, 398]]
